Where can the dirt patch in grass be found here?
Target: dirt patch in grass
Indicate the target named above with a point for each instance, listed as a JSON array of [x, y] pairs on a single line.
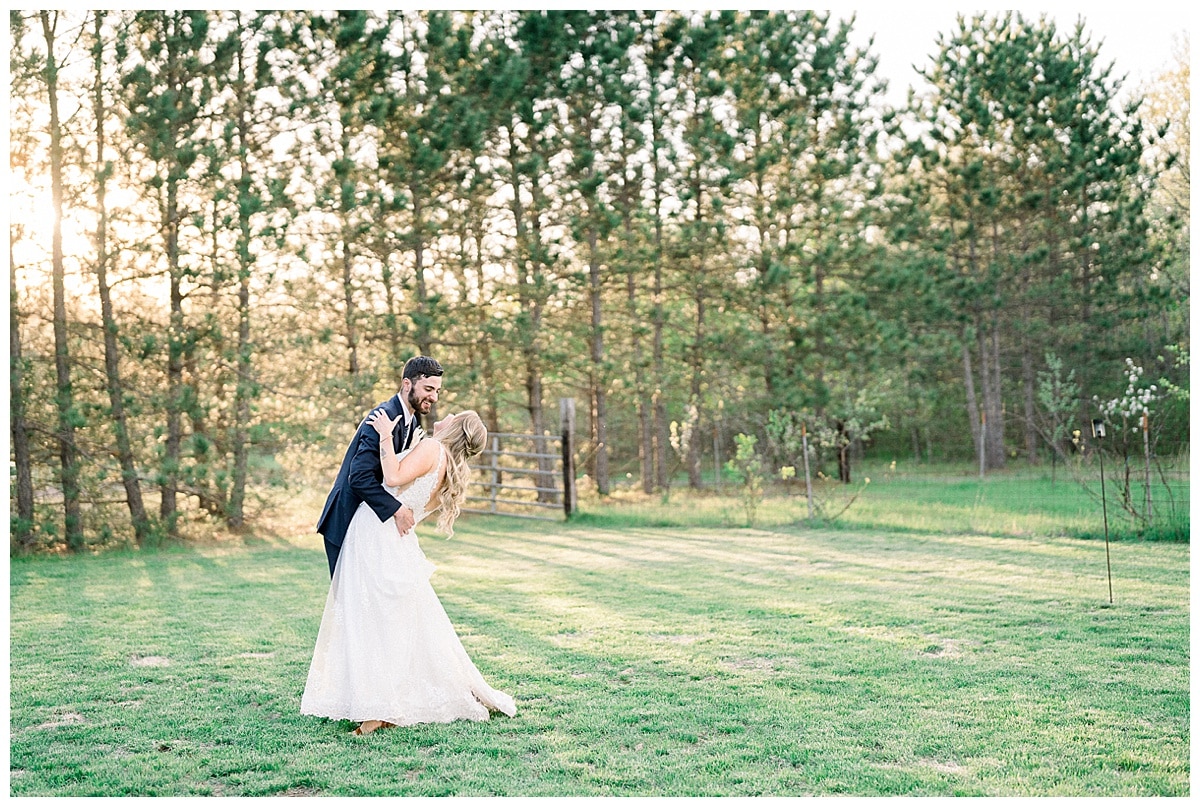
[[150, 661], [571, 637], [64, 719], [675, 638], [753, 663], [943, 767], [942, 648]]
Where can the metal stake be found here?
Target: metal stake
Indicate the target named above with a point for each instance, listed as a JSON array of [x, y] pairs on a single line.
[[1098, 433]]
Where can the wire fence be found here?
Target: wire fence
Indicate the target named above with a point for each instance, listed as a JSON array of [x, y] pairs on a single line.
[[1060, 496]]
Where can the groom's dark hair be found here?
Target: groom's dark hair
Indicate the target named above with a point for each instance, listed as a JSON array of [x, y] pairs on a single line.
[[421, 366]]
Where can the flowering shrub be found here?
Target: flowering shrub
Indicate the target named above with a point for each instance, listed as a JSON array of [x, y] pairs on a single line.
[[1135, 435], [681, 442], [1134, 403]]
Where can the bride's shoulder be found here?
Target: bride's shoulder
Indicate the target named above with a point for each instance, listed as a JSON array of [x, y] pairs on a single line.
[[427, 452], [438, 451]]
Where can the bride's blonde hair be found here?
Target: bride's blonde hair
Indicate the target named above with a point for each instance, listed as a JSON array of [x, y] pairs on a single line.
[[464, 437]]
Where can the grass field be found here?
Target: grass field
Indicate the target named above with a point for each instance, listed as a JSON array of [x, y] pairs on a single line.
[[943, 498], [704, 661]]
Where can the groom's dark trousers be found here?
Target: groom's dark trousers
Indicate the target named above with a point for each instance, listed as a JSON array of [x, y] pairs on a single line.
[[360, 479]]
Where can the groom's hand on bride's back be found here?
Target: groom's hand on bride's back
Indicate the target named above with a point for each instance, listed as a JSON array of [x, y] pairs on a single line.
[[404, 519]]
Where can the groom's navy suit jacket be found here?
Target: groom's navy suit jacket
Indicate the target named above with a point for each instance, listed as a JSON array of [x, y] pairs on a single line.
[[360, 479]]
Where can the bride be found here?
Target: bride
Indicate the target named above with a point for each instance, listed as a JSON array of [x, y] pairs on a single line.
[[386, 653]]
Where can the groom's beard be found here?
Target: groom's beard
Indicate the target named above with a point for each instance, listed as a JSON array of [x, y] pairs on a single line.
[[414, 406]]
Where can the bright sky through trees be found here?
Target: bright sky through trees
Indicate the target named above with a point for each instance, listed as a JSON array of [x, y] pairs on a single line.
[[1138, 42]]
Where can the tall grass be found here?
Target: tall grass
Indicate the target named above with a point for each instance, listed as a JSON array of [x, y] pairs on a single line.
[[645, 662]]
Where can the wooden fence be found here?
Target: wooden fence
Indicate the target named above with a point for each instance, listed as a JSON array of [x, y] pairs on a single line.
[[527, 475]]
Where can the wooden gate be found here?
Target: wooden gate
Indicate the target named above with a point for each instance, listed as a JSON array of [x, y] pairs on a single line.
[[527, 475]]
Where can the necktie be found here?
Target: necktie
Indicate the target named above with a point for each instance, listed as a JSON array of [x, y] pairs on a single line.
[[408, 433]]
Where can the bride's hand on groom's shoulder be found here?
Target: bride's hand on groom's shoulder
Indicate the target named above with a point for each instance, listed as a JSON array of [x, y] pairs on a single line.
[[379, 421]]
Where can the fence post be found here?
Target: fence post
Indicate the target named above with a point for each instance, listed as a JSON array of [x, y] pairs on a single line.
[[1146, 447], [495, 471], [807, 478], [982, 441], [717, 455], [566, 417]]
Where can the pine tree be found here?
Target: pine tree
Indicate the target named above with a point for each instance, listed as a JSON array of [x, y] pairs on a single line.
[[1031, 174], [595, 95], [23, 71], [246, 138], [167, 92], [477, 330], [345, 52], [707, 175], [68, 451], [807, 181], [117, 391], [662, 45], [528, 140], [632, 256], [423, 127]]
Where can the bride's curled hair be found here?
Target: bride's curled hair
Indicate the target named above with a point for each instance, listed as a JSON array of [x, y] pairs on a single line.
[[464, 437]]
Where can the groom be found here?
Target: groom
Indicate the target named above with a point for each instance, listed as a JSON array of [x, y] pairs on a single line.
[[360, 478]]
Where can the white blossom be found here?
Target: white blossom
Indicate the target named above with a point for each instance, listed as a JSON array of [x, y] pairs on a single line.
[[1135, 402]]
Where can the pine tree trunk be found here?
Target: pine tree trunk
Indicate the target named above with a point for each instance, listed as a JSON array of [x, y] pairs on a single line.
[[1027, 384], [662, 429], [993, 437], [479, 351], [168, 505], [763, 267], [241, 430], [697, 357], [985, 379], [528, 258], [207, 453], [21, 530], [599, 402], [628, 196], [843, 453], [1146, 449], [546, 477], [423, 336], [207, 447], [64, 399], [346, 204], [537, 417], [112, 367], [235, 510], [645, 429], [972, 403], [995, 404], [391, 304]]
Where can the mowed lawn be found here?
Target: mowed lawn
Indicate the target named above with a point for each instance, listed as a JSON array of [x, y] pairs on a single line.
[[645, 662]]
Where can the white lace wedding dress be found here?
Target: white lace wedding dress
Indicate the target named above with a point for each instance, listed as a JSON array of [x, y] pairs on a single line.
[[386, 649]]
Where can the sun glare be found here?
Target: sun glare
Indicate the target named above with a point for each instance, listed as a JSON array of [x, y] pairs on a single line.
[[31, 232]]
